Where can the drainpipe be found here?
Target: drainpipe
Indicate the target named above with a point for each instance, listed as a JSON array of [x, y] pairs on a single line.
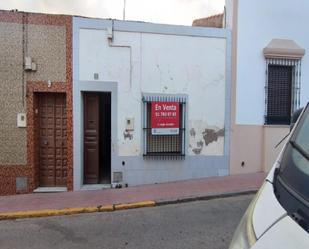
[[110, 37], [25, 53]]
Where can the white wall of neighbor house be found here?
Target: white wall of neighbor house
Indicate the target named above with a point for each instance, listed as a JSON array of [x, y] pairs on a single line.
[[161, 63], [254, 24], [258, 23]]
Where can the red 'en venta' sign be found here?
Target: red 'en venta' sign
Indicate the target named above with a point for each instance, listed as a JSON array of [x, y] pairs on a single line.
[[164, 118]]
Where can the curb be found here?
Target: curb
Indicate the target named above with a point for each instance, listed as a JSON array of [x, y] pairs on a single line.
[[70, 211], [205, 198], [135, 205], [46, 213], [114, 207]]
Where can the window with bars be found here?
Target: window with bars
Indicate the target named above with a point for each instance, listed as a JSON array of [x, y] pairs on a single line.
[[168, 143], [281, 91], [279, 95]]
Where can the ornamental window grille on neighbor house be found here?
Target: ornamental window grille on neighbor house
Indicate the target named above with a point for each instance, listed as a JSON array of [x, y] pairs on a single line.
[[169, 145], [283, 80], [282, 90]]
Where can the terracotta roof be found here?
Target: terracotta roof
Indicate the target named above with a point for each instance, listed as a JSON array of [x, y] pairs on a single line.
[[215, 21]]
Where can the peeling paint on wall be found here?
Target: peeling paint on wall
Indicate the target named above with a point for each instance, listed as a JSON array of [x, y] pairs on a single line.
[[200, 144], [211, 135], [127, 135], [192, 132], [197, 151], [205, 139]]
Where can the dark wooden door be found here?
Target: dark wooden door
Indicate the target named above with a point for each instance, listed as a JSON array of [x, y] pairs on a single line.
[[91, 138], [53, 140]]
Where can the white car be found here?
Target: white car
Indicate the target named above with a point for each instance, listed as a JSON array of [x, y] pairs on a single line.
[[278, 216]]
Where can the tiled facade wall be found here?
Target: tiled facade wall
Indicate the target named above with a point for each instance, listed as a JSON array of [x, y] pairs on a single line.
[[47, 39], [13, 140], [47, 46]]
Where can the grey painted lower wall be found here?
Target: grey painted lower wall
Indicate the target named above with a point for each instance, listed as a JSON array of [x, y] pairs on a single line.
[[137, 170]]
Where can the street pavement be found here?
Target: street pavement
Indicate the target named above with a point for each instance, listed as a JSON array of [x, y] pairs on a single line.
[[195, 188], [199, 224]]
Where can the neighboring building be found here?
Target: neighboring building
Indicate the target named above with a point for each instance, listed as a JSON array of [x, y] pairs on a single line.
[[122, 70], [35, 101], [270, 77]]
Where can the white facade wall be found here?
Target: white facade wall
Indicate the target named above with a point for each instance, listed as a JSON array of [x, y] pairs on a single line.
[[146, 58], [258, 23], [156, 63]]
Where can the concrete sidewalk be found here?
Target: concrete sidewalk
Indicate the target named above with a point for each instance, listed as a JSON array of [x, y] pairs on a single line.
[[146, 195]]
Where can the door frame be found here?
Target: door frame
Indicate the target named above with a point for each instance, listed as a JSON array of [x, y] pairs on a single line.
[[79, 87]]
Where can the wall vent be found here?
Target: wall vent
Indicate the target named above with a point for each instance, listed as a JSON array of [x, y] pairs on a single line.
[[21, 184], [117, 177]]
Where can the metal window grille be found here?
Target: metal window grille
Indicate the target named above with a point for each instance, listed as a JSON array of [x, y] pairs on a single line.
[[282, 90], [163, 146]]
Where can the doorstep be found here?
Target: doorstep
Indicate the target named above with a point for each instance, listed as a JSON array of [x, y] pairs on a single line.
[[95, 186], [50, 189]]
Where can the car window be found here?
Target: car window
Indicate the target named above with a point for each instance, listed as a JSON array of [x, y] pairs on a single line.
[[302, 138]]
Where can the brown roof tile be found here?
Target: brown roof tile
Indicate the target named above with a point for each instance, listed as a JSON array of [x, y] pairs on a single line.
[[215, 21]]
